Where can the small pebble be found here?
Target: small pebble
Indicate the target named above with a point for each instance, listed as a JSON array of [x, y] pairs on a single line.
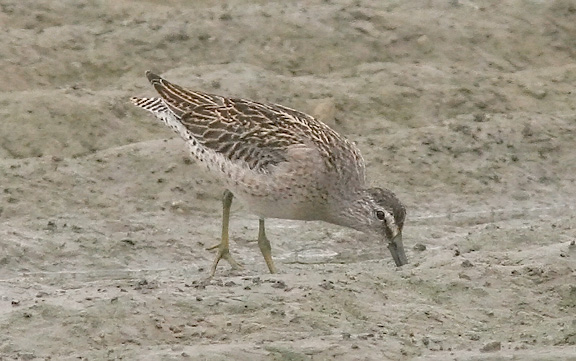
[[491, 347], [419, 247], [467, 264], [27, 356], [327, 285], [279, 284], [426, 340]]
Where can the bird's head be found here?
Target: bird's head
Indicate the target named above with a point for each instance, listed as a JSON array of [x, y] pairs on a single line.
[[388, 220], [379, 212]]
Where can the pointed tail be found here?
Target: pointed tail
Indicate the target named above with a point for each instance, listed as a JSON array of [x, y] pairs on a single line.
[[154, 105], [153, 78]]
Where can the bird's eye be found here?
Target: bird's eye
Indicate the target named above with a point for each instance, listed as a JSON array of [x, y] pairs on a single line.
[[380, 215]]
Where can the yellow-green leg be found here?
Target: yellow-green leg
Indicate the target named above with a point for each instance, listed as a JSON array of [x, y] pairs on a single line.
[[265, 247], [223, 247]]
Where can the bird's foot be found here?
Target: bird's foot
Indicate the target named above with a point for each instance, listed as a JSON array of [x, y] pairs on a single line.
[[223, 253]]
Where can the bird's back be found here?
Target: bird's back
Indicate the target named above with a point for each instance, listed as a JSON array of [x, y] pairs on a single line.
[[262, 151]]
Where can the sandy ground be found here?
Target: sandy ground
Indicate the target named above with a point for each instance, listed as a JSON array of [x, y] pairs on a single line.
[[466, 109]]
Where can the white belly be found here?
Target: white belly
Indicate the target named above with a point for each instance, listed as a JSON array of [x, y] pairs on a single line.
[[285, 206]]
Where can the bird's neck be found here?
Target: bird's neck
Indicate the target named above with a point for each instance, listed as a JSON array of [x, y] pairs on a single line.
[[351, 211]]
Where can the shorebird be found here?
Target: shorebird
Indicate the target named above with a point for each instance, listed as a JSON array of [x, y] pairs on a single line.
[[280, 163]]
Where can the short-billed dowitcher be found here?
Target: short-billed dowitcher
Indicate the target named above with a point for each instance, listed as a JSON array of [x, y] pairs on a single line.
[[280, 163]]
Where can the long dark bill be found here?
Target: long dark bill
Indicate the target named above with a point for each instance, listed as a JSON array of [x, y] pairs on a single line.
[[397, 250]]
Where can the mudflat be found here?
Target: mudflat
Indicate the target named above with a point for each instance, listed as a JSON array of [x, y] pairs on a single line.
[[466, 109]]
